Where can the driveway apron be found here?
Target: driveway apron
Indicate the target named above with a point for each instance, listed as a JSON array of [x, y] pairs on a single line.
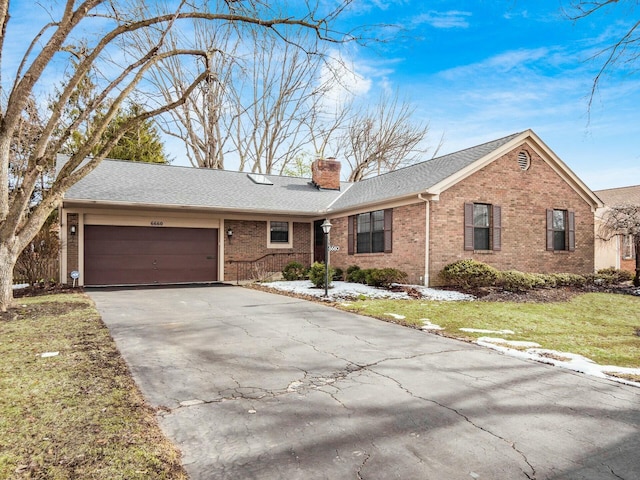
[[252, 385]]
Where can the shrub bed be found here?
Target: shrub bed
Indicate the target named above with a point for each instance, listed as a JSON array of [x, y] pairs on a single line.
[[469, 274]]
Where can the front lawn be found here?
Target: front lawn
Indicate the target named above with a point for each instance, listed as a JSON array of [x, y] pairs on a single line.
[[600, 326], [68, 405]]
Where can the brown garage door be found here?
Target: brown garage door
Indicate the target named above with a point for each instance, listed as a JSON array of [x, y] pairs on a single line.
[[147, 255]]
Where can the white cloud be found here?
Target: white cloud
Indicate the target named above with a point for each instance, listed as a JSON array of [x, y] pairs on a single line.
[[448, 19], [345, 79], [503, 62]]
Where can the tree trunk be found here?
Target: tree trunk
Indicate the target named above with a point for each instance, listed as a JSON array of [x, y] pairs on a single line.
[[8, 258]]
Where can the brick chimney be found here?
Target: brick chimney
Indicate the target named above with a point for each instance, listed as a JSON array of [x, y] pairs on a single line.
[[326, 173]]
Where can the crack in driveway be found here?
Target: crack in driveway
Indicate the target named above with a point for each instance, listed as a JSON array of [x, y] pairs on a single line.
[[466, 419]]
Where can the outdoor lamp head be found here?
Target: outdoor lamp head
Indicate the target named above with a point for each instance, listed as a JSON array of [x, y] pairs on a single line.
[[326, 226]]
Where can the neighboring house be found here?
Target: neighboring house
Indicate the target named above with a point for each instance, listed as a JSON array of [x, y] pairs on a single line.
[[616, 251], [511, 203]]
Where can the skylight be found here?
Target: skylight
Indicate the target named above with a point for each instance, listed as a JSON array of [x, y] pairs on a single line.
[[259, 179]]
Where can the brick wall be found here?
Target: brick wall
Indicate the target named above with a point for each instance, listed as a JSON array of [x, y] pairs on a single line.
[[524, 197], [408, 244], [249, 242], [628, 264]]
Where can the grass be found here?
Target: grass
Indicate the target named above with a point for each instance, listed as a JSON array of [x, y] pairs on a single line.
[[600, 326], [78, 414]]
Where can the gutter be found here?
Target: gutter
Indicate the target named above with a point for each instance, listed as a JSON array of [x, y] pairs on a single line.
[[79, 203]]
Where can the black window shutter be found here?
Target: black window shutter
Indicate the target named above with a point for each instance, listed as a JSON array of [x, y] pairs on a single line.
[[388, 230], [468, 226], [571, 229], [351, 240], [496, 216], [549, 229]]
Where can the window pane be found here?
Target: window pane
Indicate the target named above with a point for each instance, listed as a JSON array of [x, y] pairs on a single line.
[[559, 220], [279, 232], [364, 223], [480, 215], [378, 220], [364, 243], [377, 243], [559, 242], [627, 246], [559, 229], [481, 238]]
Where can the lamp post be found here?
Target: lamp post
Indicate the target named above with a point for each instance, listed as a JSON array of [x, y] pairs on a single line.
[[326, 228]]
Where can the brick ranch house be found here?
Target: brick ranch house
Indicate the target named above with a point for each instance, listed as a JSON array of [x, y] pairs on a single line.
[[618, 251], [511, 203]]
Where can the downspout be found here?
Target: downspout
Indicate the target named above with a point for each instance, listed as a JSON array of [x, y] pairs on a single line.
[[426, 238]]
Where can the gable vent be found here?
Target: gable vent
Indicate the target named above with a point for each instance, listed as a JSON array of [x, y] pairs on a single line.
[[524, 161]]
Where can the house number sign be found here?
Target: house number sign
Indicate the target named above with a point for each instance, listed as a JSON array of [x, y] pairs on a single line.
[[334, 248], [156, 223]]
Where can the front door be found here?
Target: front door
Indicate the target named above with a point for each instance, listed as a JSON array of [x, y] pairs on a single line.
[[318, 242]]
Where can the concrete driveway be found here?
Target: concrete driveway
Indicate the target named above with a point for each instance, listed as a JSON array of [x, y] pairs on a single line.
[[261, 386]]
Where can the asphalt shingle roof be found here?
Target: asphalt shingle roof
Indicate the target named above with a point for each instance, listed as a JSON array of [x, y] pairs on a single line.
[[415, 178], [165, 185], [144, 183], [620, 196]]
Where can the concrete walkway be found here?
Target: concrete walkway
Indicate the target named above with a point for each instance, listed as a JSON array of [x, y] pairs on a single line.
[[260, 386]]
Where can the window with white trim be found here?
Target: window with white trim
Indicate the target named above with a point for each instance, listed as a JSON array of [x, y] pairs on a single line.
[[628, 247], [279, 234]]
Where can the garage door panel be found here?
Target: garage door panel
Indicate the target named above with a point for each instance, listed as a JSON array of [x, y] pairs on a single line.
[[116, 255], [105, 262], [178, 261]]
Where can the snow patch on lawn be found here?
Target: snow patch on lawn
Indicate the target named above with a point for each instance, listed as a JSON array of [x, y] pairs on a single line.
[[396, 316], [427, 325], [480, 330], [347, 290], [489, 341], [570, 361]]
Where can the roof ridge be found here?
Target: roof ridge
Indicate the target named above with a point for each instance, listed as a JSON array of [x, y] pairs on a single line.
[[513, 135], [191, 167], [616, 188]]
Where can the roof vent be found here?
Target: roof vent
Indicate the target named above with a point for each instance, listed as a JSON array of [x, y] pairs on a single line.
[[259, 179], [524, 160]]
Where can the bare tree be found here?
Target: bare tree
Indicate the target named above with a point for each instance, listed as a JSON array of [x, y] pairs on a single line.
[[623, 220], [382, 138], [253, 110], [197, 121], [273, 104], [622, 52], [123, 71]]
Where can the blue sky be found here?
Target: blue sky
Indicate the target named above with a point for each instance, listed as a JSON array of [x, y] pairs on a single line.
[[478, 70]]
